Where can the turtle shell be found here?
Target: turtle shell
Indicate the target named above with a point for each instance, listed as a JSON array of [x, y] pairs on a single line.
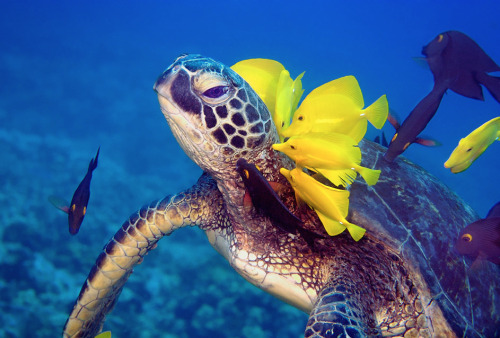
[[421, 217]]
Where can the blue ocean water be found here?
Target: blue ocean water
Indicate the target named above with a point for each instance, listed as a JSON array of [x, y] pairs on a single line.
[[78, 75]]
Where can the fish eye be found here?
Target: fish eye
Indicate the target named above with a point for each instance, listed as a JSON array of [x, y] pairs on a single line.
[[293, 147], [469, 149], [467, 238], [300, 118], [216, 92]]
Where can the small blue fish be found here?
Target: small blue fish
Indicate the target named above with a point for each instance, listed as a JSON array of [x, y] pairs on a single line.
[[78, 206], [481, 239]]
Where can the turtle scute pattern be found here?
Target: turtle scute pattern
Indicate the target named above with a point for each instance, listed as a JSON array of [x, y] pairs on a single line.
[[386, 284]]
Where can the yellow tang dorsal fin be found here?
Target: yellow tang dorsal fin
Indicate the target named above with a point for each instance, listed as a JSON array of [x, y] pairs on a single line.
[[297, 92], [346, 86], [262, 75]]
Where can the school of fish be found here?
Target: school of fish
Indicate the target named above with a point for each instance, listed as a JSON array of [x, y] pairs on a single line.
[[322, 138]]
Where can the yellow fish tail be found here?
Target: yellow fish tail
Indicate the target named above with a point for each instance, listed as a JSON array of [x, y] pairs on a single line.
[[356, 231], [332, 227], [370, 176], [341, 177], [377, 112]]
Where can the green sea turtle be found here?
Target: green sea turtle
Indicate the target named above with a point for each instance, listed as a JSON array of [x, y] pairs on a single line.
[[402, 279]]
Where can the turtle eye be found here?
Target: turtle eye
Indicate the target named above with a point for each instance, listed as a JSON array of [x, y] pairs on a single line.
[[216, 92], [467, 238]]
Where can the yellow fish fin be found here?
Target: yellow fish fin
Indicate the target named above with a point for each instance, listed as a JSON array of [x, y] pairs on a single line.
[[371, 176], [262, 75], [332, 227], [377, 112], [340, 177], [297, 92], [283, 106], [105, 334], [346, 86], [358, 131], [341, 198], [356, 231]]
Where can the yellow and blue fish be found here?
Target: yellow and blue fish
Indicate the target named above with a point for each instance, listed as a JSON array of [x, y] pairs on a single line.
[[330, 204], [473, 145], [337, 106], [335, 156]]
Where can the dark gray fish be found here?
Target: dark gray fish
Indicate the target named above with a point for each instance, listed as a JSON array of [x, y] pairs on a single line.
[[265, 200], [481, 239], [78, 206], [457, 63]]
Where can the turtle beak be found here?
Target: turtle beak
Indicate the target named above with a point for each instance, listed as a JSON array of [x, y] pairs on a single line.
[[164, 81]]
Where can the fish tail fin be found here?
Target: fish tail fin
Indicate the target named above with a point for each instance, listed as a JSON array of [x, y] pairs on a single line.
[[492, 83], [332, 227], [377, 112], [93, 162], [370, 176], [356, 231]]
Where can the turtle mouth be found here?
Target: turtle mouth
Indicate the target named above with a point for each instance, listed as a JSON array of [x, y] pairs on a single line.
[[182, 127]]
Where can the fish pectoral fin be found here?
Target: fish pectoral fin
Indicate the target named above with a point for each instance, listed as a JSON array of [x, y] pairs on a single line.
[[393, 119], [377, 112], [428, 142], [59, 203], [247, 202], [332, 227], [277, 187]]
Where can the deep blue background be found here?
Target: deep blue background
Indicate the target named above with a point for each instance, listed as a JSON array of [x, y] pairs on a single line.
[[76, 75]]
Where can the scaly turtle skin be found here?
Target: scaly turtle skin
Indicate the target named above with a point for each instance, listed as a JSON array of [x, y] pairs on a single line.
[[402, 279]]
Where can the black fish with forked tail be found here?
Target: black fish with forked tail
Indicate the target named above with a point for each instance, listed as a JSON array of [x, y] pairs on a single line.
[[78, 206], [457, 63]]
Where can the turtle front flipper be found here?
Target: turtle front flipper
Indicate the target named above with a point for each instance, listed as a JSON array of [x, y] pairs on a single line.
[[129, 245], [339, 312]]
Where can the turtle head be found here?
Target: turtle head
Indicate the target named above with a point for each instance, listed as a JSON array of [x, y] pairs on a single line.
[[214, 114]]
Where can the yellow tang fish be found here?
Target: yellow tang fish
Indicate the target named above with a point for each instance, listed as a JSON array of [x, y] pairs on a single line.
[[335, 156], [330, 204], [473, 145], [272, 82], [337, 106], [288, 94]]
